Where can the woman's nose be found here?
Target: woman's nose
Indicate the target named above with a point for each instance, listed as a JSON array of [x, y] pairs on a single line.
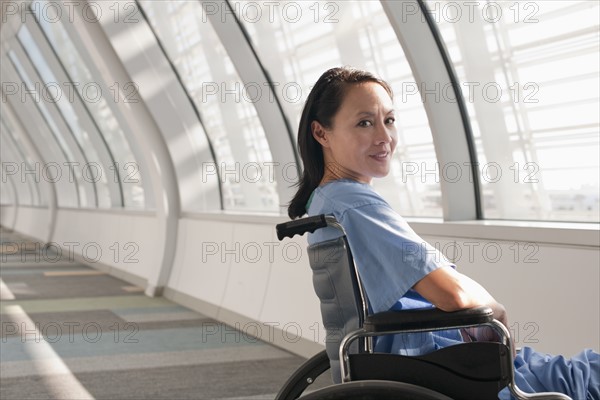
[[384, 134]]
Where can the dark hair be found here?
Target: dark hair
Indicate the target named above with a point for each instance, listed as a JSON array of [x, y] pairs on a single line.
[[322, 104]]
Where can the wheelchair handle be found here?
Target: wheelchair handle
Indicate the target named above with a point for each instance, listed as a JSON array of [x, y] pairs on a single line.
[[300, 226]]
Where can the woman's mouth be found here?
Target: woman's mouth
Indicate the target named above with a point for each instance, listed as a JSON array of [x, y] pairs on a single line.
[[381, 155]]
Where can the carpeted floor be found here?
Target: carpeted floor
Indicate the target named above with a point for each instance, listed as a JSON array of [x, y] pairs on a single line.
[[71, 332]]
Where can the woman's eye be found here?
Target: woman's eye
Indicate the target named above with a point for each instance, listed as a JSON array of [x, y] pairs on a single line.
[[390, 120], [365, 123]]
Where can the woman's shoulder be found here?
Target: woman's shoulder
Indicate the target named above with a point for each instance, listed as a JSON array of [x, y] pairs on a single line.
[[339, 198], [346, 193]]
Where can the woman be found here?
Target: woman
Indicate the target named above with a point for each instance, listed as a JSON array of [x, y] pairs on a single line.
[[346, 138]]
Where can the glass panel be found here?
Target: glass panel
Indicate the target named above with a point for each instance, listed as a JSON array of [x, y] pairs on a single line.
[[7, 190], [52, 161], [298, 41], [12, 172], [126, 169], [93, 172], [28, 170], [228, 115], [529, 72]]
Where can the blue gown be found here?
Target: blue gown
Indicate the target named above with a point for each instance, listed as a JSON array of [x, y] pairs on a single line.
[[391, 258]]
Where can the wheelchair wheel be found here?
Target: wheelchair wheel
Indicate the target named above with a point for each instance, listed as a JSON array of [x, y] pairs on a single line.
[[375, 390], [304, 376]]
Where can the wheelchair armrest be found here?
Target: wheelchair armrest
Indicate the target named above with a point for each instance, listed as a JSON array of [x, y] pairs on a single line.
[[426, 319]]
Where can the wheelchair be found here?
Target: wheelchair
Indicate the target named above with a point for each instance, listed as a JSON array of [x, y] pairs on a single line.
[[471, 370]]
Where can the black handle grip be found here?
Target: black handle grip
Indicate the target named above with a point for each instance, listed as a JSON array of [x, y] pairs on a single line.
[[300, 226]]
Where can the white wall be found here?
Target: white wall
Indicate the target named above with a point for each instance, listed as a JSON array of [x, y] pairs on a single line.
[[123, 243], [550, 290], [33, 221], [127, 242], [8, 215], [239, 273], [233, 268]]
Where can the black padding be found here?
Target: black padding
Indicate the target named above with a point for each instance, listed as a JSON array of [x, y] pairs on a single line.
[[336, 286], [300, 226], [476, 370], [374, 390], [431, 318]]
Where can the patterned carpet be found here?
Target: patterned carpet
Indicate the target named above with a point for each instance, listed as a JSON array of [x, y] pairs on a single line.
[[72, 332]]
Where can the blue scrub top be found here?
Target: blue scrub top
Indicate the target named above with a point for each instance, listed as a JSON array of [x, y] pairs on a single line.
[[389, 255], [391, 258]]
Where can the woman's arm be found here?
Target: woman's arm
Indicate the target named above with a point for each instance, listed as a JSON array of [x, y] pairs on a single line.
[[450, 290]]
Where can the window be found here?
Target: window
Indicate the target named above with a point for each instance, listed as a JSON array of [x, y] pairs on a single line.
[[298, 41], [126, 169], [93, 171], [229, 118], [529, 73], [60, 150], [12, 172], [25, 167]]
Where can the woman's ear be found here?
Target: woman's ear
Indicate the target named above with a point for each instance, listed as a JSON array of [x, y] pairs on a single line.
[[318, 132]]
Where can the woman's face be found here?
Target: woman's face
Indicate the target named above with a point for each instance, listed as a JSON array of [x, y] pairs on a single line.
[[360, 143]]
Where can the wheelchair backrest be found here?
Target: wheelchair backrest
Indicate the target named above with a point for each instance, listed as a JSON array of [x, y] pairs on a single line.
[[335, 283]]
